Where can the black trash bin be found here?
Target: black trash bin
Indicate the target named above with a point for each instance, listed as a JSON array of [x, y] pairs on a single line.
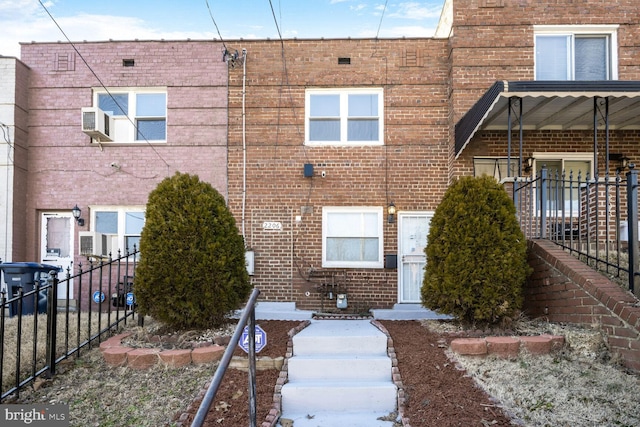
[[25, 275]]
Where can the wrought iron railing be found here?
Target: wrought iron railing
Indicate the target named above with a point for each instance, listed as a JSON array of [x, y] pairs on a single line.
[[594, 219], [34, 337], [247, 318]]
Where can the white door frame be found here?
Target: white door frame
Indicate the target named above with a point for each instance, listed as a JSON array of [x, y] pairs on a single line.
[[403, 251], [60, 257]]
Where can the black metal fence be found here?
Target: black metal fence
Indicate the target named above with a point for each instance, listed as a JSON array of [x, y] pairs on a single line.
[[36, 335], [594, 219]]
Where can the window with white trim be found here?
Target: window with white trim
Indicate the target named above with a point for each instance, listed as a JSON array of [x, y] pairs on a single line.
[[566, 172], [581, 52], [497, 167], [139, 115], [344, 116], [123, 223], [352, 237]]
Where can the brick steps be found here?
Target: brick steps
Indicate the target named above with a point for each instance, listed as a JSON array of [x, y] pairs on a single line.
[[506, 347], [115, 354]]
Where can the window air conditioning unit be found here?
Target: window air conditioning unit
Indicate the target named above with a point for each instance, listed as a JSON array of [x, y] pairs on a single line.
[[95, 244], [97, 124]]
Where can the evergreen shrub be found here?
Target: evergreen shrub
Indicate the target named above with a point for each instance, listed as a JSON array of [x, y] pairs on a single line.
[[192, 269], [476, 254]]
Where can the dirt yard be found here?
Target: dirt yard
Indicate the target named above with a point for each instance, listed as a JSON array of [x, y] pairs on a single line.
[[579, 386]]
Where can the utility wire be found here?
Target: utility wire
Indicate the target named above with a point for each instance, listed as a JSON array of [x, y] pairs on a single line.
[[101, 83], [215, 25], [381, 18], [286, 83]]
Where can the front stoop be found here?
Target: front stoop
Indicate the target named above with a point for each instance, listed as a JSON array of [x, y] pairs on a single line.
[[339, 375], [407, 311]]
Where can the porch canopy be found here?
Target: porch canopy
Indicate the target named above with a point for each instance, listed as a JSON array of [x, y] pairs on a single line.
[[552, 105]]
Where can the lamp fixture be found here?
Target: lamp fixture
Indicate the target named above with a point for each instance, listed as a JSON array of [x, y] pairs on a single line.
[[76, 211], [623, 161], [528, 164], [391, 211]]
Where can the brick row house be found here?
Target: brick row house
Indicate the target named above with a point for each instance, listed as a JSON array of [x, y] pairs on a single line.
[[332, 154]]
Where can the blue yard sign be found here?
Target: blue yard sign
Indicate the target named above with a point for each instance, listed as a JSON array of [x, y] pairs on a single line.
[[261, 339], [131, 299], [98, 297]]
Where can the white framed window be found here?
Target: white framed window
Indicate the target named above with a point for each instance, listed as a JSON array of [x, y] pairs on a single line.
[[564, 191], [577, 52], [344, 116], [352, 237], [122, 223], [497, 167], [139, 115]]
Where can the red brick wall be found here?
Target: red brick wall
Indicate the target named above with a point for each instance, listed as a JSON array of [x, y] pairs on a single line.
[[494, 144], [564, 289], [66, 169], [496, 43], [21, 146], [411, 168]]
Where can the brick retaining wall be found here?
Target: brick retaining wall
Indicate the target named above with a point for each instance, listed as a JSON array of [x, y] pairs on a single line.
[[564, 289]]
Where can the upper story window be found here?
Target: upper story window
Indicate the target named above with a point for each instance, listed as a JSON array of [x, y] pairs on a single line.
[[138, 114], [344, 116], [352, 237], [576, 52]]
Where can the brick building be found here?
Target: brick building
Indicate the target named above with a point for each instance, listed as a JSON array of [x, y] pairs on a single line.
[[313, 141], [180, 109]]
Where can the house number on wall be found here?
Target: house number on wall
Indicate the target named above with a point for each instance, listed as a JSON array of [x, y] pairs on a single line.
[[272, 225]]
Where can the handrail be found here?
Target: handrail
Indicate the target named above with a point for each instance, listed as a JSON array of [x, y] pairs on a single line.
[[248, 314]]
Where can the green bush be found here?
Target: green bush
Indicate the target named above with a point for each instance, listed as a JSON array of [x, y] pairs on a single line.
[[192, 270], [476, 254]]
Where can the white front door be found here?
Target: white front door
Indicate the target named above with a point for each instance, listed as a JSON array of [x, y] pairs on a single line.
[[414, 228], [57, 245]]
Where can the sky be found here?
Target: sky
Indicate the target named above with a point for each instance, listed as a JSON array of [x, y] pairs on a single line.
[[91, 20]]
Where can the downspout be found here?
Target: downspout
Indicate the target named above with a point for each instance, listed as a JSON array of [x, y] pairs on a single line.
[[244, 141]]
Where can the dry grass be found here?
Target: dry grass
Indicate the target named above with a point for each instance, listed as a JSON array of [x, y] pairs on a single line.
[[580, 386], [29, 356]]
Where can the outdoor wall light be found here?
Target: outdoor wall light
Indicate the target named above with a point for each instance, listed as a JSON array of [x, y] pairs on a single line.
[[623, 161], [76, 211], [528, 164], [391, 210]]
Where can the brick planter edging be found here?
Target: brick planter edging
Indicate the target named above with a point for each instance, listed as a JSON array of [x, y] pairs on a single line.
[[116, 354], [395, 373], [507, 347]]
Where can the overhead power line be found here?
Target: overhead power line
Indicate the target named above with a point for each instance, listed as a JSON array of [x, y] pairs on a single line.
[[100, 82]]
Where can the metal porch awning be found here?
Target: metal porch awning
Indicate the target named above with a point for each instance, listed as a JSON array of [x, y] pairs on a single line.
[[552, 105]]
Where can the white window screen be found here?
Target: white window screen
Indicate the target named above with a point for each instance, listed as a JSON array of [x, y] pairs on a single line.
[[344, 116], [573, 57], [352, 237]]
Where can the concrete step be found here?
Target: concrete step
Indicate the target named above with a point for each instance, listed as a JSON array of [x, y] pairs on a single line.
[[332, 419], [339, 368], [310, 397], [407, 311], [353, 337], [266, 310]]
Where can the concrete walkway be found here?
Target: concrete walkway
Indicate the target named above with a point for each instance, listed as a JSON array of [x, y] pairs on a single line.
[[339, 375]]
